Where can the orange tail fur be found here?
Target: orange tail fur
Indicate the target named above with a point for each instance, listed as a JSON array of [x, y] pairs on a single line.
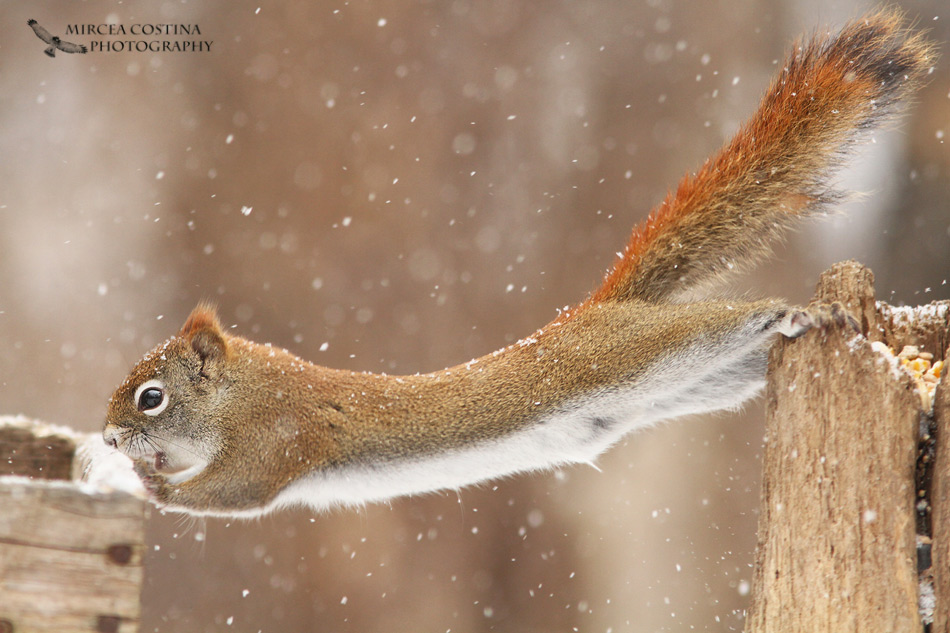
[[778, 167]]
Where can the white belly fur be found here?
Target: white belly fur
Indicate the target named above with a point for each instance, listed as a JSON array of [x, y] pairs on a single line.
[[704, 379]]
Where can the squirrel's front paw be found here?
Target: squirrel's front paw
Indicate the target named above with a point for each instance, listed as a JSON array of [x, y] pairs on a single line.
[[820, 315], [155, 484]]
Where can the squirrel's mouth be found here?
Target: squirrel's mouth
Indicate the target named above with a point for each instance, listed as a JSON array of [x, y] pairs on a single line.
[[170, 458], [177, 471], [161, 461], [164, 463]]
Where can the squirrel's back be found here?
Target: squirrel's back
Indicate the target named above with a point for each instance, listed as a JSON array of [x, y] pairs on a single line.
[[779, 166]]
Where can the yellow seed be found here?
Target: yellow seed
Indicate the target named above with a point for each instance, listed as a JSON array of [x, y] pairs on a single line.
[[909, 352]]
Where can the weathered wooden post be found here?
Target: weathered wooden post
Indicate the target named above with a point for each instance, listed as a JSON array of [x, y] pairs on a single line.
[[71, 552], [854, 525]]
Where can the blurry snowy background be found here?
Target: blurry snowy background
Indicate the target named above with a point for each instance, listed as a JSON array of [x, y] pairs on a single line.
[[414, 184]]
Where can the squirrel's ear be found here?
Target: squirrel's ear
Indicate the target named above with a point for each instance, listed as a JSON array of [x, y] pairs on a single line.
[[203, 331]]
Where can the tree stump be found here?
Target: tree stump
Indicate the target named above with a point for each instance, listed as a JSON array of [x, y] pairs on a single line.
[[71, 552], [855, 506]]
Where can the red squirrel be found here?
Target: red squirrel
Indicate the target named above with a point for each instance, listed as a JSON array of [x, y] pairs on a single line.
[[219, 425]]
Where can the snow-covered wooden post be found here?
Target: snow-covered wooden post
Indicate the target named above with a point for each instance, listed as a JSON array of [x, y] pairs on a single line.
[[854, 525], [71, 551]]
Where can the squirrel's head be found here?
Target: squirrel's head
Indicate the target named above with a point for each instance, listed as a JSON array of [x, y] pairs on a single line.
[[161, 411]]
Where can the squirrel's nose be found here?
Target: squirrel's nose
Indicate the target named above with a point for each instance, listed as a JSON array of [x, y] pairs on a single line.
[[110, 437]]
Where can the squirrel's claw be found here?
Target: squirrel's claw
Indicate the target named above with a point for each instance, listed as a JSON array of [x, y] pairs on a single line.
[[820, 315]]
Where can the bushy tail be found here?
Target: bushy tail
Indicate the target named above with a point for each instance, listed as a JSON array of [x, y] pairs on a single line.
[[778, 167]]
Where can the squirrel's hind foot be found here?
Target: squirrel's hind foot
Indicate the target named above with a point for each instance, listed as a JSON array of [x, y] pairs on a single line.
[[820, 315]]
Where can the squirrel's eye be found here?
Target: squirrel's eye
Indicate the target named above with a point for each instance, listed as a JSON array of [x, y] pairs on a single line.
[[150, 397]]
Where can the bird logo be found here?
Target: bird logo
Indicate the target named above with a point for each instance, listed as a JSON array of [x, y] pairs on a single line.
[[54, 41]]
